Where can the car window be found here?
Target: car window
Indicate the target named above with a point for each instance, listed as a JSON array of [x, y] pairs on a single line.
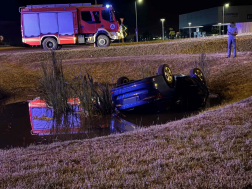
[[86, 16], [108, 15], [97, 16]]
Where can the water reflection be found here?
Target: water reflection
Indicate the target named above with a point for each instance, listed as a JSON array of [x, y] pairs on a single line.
[[22, 124], [43, 122]]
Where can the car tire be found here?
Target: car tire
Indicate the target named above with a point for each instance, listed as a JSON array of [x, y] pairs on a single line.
[[166, 72], [102, 41], [196, 72], [122, 80], [50, 44]]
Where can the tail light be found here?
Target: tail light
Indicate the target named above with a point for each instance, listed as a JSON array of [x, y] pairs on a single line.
[[159, 95], [153, 97], [149, 82]]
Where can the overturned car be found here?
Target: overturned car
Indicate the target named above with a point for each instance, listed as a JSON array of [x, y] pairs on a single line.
[[161, 92]]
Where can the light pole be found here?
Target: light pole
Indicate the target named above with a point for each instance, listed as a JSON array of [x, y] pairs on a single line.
[[96, 2], [219, 28], [189, 29], [136, 18], [226, 5], [162, 20]]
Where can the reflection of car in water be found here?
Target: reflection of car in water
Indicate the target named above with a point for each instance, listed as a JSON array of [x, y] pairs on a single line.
[[161, 92], [44, 123]]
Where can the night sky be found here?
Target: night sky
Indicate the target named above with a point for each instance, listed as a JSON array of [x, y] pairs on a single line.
[[149, 11]]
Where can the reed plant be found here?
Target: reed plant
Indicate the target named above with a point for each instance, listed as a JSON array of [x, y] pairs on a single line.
[[53, 87], [95, 98], [204, 66]]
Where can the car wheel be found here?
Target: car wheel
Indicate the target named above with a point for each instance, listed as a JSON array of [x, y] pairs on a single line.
[[102, 41], [167, 74], [196, 72], [50, 44], [122, 80]]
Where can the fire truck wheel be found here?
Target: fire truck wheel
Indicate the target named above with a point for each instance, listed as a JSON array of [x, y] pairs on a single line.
[[102, 41], [50, 44]]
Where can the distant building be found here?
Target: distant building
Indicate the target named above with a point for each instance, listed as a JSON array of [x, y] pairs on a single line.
[[211, 20]]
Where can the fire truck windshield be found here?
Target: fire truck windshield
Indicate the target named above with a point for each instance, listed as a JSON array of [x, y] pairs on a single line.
[[107, 15]]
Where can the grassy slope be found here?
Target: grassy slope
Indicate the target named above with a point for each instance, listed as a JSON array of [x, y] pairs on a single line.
[[210, 150], [186, 46], [229, 77]]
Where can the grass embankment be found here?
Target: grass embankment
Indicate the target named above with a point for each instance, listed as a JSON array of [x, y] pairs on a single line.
[[185, 46], [231, 78], [210, 150]]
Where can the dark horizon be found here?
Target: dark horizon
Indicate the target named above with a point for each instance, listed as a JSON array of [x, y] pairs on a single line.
[[149, 11]]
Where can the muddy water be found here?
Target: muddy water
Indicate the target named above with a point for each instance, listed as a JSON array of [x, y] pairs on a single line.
[[20, 127]]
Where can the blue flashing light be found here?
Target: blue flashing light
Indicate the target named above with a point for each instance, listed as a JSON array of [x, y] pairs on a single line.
[[107, 6]]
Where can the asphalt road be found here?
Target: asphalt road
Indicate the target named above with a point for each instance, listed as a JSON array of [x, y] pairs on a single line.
[[36, 49]]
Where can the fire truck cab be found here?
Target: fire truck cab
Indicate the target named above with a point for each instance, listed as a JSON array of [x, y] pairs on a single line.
[[51, 26]]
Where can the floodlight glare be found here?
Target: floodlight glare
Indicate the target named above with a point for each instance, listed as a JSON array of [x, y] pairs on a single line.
[[227, 5], [107, 6], [162, 19], [140, 1]]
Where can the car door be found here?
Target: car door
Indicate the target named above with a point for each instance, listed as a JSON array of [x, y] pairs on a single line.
[[87, 22], [97, 18], [108, 20]]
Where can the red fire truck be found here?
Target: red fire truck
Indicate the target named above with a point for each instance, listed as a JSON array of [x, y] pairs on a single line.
[[51, 26]]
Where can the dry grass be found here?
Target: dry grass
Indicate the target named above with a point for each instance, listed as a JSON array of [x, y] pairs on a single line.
[[231, 78], [186, 46], [210, 150]]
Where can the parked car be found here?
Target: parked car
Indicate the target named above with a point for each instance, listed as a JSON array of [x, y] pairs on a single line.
[[161, 92]]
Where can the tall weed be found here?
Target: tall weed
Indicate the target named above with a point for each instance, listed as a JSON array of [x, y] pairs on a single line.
[[204, 66], [95, 98], [53, 87]]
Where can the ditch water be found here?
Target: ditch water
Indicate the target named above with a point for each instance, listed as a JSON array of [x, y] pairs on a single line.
[[22, 125]]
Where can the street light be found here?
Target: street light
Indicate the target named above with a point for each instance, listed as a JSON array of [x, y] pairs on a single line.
[[139, 1], [219, 28], [226, 5], [162, 20], [189, 28]]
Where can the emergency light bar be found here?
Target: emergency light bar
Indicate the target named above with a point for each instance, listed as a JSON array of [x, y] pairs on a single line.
[[60, 5]]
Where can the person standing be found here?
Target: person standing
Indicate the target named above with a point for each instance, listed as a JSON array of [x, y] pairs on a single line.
[[232, 32]]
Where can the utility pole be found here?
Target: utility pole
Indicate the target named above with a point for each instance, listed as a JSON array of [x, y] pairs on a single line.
[[136, 22], [189, 29], [139, 1], [226, 5], [162, 20]]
